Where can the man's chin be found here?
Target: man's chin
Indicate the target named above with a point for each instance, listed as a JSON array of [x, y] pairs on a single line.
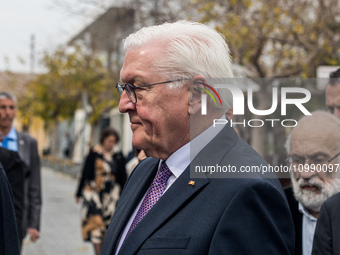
[[312, 197], [311, 200], [138, 141]]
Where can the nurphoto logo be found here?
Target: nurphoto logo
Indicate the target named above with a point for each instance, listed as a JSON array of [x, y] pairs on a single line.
[[283, 93]]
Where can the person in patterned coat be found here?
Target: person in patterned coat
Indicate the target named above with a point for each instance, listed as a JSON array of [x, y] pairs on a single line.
[[104, 168]]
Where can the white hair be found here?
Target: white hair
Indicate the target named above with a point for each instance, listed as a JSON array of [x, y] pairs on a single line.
[[7, 95], [192, 49]]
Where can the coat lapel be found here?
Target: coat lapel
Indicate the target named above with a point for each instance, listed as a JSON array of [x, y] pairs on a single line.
[[20, 142], [165, 207], [128, 202]]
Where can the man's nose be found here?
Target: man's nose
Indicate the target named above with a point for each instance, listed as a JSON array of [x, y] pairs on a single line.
[[8, 110], [125, 103], [306, 173]]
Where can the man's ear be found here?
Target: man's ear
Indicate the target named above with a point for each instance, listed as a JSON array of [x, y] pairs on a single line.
[[196, 94]]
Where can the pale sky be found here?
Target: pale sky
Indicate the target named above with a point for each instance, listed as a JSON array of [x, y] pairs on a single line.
[[19, 19]]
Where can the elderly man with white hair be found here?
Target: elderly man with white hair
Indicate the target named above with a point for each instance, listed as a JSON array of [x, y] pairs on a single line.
[[313, 148], [164, 208]]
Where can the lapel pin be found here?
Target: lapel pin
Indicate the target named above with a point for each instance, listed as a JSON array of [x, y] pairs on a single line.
[[192, 183], [21, 142]]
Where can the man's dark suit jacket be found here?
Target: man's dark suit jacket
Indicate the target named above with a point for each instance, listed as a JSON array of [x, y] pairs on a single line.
[[213, 216], [327, 232], [15, 174], [297, 218], [9, 241], [28, 152]]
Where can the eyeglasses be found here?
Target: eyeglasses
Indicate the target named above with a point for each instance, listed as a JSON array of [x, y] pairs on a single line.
[[315, 160], [130, 89]]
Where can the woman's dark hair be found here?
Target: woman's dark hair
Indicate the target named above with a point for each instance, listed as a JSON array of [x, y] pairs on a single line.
[[108, 132], [334, 78]]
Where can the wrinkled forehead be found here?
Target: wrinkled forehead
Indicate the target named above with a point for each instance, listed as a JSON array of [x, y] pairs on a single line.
[[314, 146], [315, 135], [141, 58], [7, 101]]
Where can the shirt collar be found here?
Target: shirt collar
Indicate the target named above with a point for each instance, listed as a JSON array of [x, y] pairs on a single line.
[[305, 212], [204, 138], [12, 134], [180, 159]]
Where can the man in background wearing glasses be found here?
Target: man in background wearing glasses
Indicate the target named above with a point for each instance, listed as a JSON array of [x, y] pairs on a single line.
[[163, 209], [314, 147]]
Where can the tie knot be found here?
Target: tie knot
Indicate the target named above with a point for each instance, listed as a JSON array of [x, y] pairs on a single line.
[[155, 191], [163, 173]]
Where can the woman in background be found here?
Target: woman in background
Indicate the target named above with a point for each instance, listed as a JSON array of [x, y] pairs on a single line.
[[104, 168]]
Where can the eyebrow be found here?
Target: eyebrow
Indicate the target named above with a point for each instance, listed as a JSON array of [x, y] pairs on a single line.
[[319, 154], [5, 106], [137, 79], [316, 154], [133, 79]]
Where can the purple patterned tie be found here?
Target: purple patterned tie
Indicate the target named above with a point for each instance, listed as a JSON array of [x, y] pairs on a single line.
[[153, 194]]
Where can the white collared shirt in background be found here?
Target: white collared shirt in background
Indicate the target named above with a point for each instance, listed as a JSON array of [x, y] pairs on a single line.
[[308, 230]]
